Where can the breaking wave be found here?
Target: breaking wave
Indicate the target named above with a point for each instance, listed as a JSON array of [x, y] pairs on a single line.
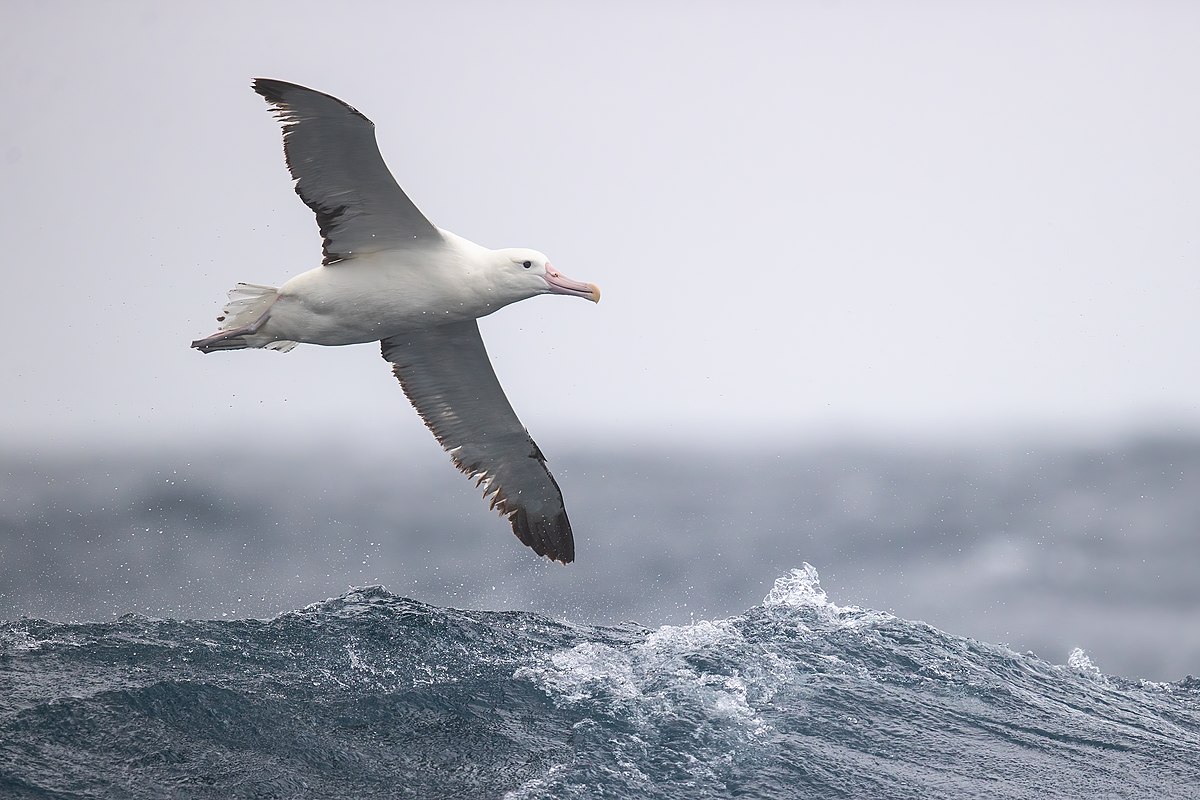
[[372, 695]]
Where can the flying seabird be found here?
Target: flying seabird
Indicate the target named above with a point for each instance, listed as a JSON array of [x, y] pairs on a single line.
[[392, 276]]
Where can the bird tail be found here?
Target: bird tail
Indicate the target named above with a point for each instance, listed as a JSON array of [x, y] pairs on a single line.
[[248, 309]]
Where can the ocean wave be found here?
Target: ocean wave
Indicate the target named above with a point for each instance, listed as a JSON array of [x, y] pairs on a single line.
[[374, 695]]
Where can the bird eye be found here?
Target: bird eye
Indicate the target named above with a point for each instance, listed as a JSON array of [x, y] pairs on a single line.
[[528, 264]]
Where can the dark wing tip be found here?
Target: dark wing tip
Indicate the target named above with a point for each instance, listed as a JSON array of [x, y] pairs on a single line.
[[272, 89], [548, 536], [276, 92]]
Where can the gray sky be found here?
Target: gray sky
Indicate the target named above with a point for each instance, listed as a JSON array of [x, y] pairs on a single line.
[[918, 217]]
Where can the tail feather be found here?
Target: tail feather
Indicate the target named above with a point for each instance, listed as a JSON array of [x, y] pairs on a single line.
[[247, 309], [247, 302]]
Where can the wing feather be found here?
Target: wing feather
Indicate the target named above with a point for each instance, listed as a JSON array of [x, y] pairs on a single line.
[[447, 375], [331, 151]]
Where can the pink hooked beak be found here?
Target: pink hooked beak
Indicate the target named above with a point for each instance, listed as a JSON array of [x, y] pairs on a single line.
[[561, 284]]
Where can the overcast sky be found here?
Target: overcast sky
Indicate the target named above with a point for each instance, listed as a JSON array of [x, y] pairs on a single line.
[[805, 217]]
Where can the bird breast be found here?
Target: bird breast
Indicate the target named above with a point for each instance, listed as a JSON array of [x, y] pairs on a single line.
[[371, 298]]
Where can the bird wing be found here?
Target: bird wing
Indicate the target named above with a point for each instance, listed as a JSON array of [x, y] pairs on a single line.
[[448, 377], [331, 151]]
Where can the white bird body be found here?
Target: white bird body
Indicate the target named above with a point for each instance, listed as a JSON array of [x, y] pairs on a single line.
[[390, 275], [381, 294]]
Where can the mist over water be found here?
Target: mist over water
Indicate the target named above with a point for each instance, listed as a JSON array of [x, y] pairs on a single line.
[[1048, 549]]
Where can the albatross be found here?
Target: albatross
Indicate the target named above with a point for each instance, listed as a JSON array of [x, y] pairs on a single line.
[[392, 276]]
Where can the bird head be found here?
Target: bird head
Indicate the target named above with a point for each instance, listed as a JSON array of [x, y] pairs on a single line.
[[530, 273]]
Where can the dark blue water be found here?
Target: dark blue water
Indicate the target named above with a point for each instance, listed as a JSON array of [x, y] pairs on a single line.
[[372, 695]]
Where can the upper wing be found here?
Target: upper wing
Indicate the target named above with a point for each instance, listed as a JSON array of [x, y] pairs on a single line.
[[331, 152], [446, 373]]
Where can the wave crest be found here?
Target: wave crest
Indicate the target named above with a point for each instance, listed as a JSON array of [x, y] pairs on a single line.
[[800, 587]]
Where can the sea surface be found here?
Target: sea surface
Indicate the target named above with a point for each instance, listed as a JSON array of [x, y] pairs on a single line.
[[372, 695], [1034, 634]]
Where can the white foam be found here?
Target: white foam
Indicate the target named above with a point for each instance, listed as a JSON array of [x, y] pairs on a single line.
[[1079, 663], [585, 671], [801, 587], [801, 590], [536, 787], [19, 641], [654, 678]]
